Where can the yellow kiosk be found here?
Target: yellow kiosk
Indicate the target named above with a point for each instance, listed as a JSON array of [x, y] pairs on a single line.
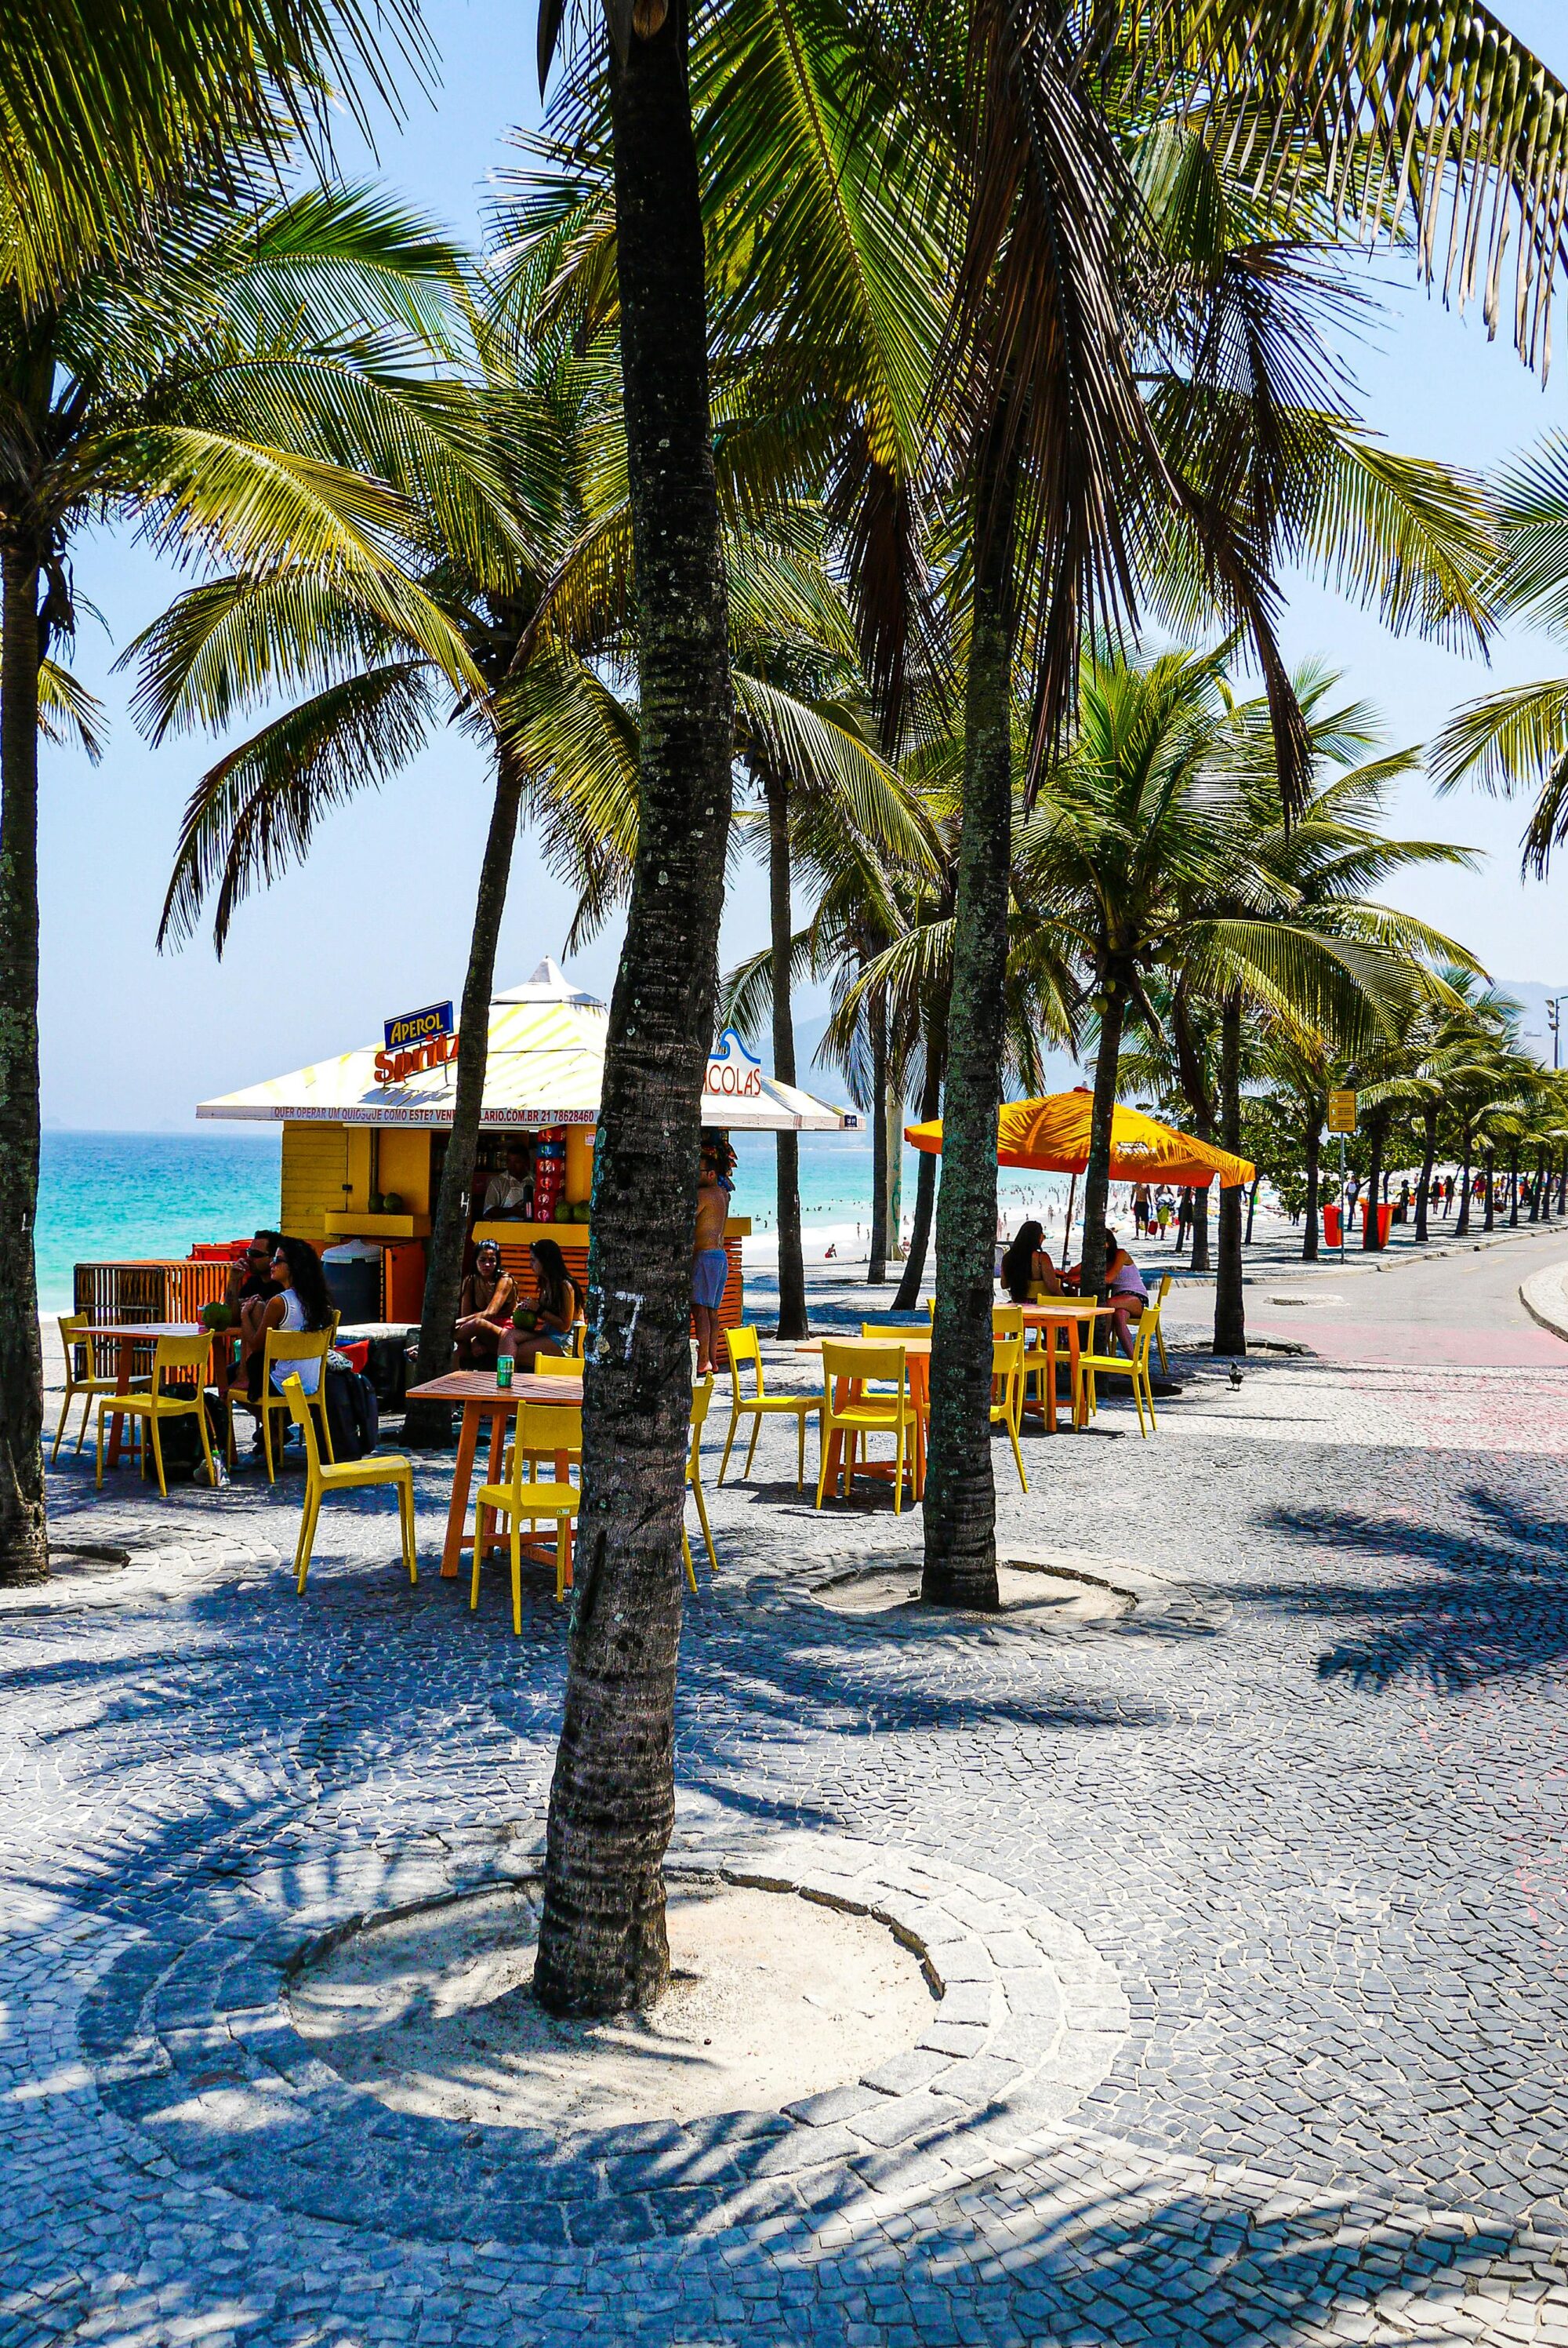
[[365, 1134]]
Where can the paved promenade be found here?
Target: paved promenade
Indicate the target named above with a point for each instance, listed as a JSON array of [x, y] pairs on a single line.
[[1251, 1907]]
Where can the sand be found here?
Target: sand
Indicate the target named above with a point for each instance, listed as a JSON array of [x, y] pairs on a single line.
[[772, 1997], [1029, 1594]]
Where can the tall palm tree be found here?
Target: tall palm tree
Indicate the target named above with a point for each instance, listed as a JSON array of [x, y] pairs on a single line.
[[209, 392], [486, 550]]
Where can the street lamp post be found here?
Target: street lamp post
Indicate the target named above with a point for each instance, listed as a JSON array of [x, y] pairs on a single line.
[[1554, 1020]]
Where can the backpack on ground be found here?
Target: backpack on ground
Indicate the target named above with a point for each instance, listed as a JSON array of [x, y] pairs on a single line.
[[352, 1414]]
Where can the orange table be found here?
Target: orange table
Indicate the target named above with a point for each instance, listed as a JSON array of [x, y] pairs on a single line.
[[1068, 1314], [918, 1358], [481, 1397], [124, 1336]]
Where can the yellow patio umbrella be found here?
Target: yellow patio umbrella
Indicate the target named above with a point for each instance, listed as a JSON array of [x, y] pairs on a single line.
[[1053, 1133]]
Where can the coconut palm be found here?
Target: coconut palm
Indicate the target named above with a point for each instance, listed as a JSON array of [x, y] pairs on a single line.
[[104, 110], [485, 558], [1517, 739], [209, 393]]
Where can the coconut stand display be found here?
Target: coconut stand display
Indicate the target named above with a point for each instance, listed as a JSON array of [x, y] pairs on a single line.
[[365, 1134]]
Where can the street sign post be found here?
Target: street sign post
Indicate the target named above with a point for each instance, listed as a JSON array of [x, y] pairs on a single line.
[[1342, 1120]]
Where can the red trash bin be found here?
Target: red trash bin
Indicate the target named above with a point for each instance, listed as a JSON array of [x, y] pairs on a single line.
[[1384, 1217], [1331, 1226]]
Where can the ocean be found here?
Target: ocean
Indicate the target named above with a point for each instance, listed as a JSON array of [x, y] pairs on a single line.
[[105, 1195]]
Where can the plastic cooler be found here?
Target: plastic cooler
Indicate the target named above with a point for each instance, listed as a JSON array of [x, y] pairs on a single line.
[[353, 1273]]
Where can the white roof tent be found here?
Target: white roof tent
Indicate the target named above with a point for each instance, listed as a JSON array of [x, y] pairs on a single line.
[[546, 1066]]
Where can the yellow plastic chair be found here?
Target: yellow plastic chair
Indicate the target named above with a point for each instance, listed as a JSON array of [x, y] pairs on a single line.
[[864, 1415], [77, 1336], [1159, 1332], [1006, 1321], [760, 1405], [556, 1366], [542, 1429], [701, 1396], [284, 1345], [155, 1406], [1007, 1390], [1117, 1365], [344, 1475]]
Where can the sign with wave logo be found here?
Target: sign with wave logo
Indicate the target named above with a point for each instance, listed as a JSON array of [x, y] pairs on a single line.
[[733, 1073]]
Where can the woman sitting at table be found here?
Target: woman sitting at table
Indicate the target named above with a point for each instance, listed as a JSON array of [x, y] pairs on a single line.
[[1025, 1266], [1126, 1290], [555, 1307], [485, 1309]]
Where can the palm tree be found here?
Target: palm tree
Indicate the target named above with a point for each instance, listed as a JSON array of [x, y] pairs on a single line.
[[209, 392], [1508, 740], [105, 110], [487, 548]]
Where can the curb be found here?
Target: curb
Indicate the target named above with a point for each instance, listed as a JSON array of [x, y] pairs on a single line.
[[1544, 1296]]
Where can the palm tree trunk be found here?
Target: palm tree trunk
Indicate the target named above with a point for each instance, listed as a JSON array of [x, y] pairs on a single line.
[[1371, 1241], [602, 1944], [1513, 1192], [792, 1319], [1230, 1308], [1462, 1227], [1252, 1189], [429, 1425], [1314, 1151], [1424, 1186], [908, 1294], [961, 1567], [1563, 1187], [24, 1538], [895, 1106], [876, 1266], [1490, 1223], [1101, 1110], [1534, 1198], [1200, 1221]]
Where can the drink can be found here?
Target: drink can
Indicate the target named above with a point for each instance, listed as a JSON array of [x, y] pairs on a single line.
[[504, 1371]]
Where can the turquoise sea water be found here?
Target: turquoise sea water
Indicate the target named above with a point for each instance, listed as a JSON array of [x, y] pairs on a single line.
[[104, 1195]]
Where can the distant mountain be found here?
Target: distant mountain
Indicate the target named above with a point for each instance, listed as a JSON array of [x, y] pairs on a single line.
[[1532, 1000]]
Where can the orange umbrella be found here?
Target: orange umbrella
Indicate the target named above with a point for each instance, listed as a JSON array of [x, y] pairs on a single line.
[[1053, 1133]]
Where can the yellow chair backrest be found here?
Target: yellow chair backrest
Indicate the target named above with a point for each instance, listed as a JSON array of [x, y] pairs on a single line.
[[930, 1308], [80, 1358], [862, 1360], [1007, 1354], [555, 1365], [1164, 1291], [1007, 1320], [180, 1353], [544, 1429], [304, 1418], [701, 1396], [293, 1344], [744, 1348]]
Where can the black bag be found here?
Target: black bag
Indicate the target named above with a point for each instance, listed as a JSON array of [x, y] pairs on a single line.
[[179, 1440], [352, 1414]]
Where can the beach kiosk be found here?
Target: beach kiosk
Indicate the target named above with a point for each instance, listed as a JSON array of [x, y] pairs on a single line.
[[365, 1134]]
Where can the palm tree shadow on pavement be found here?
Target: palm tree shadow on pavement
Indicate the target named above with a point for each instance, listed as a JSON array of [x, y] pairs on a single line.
[[1492, 1602]]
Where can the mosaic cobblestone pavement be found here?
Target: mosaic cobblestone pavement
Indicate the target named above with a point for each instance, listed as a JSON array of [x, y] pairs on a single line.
[[1284, 1850]]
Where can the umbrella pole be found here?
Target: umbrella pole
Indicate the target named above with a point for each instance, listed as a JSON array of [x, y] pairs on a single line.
[[1067, 1234]]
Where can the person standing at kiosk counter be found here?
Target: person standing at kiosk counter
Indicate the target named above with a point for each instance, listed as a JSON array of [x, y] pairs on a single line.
[[710, 1262]]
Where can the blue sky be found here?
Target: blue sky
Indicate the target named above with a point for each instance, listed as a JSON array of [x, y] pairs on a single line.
[[377, 921]]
